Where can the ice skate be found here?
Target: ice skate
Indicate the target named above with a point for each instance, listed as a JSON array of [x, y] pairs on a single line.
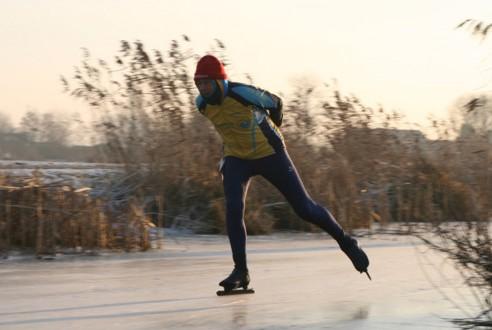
[[236, 283], [359, 259]]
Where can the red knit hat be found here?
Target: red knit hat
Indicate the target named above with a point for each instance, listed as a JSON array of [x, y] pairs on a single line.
[[209, 67]]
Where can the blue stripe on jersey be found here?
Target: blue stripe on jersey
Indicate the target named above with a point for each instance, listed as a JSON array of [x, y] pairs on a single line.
[[225, 84]]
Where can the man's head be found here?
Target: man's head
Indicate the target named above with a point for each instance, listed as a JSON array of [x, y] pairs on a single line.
[[211, 79]]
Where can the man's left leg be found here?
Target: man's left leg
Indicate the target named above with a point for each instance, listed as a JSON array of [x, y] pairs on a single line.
[[279, 170]]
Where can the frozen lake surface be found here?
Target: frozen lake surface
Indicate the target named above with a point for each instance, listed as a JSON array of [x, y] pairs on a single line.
[[301, 282]]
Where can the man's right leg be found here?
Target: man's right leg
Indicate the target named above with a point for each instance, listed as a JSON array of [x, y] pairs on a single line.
[[236, 174]]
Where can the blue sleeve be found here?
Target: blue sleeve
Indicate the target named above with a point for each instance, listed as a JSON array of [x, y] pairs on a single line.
[[259, 98], [254, 96]]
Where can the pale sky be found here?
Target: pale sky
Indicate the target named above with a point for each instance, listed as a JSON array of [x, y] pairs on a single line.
[[404, 55]]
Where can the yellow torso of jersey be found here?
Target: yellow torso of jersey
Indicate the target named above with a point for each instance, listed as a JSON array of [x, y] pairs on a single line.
[[238, 127]]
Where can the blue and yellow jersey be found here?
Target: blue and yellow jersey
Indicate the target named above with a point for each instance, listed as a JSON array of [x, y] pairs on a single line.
[[248, 120]]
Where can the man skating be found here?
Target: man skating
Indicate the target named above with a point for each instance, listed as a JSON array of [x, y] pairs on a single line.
[[248, 120]]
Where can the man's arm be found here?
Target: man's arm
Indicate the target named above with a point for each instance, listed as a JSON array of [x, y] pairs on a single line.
[[276, 113], [259, 98]]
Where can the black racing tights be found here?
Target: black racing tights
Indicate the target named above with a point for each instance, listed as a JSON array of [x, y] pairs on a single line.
[[279, 170]]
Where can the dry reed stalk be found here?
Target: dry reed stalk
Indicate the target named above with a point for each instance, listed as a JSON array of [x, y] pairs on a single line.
[[139, 227], [159, 199], [8, 218], [40, 220], [101, 224]]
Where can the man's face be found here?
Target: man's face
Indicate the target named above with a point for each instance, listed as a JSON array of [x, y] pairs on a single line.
[[206, 87]]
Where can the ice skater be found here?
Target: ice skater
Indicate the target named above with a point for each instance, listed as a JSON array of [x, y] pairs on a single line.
[[248, 120]]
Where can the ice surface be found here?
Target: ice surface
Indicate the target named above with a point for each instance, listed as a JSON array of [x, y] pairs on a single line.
[[301, 282]]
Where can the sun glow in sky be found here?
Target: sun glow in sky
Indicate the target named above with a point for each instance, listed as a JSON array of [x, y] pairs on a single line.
[[403, 55]]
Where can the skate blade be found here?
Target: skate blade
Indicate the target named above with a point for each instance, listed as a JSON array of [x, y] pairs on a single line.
[[234, 292]]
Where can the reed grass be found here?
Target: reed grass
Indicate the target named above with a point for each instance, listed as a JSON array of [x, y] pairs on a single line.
[[49, 219]]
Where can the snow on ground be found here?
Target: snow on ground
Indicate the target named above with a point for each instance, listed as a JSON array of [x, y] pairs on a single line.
[[74, 174], [302, 281], [32, 164]]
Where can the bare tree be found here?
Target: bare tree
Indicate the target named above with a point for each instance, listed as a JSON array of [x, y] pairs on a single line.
[[5, 124], [54, 129]]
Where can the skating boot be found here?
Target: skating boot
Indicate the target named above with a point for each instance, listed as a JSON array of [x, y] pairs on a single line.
[[236, 283], [351, 248]]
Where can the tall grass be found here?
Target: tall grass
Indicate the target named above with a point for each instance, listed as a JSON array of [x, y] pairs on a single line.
[[352, 157], [49, 219]]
